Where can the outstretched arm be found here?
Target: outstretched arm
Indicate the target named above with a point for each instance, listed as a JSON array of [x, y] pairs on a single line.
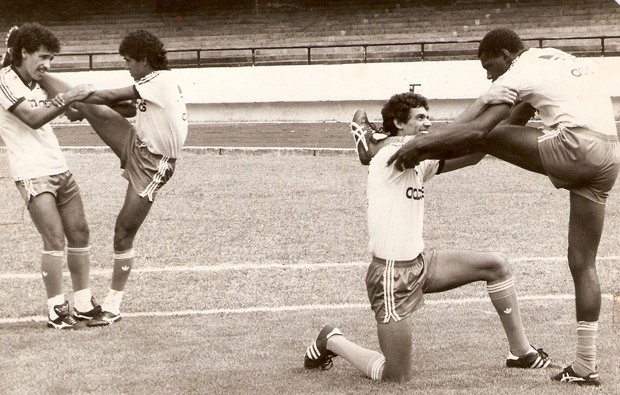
[[58, 88], [102, 96], [448, 143], [36, 117], [496, 94]]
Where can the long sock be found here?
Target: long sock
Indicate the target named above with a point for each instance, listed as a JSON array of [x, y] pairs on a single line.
[[585, 358], [78, 262], [504, 298], [51, 271], [123, 263], [369, 362]]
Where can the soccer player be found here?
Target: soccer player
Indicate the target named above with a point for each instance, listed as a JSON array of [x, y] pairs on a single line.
[[41, 174], [147, 151], [402, 271], [578, 150]]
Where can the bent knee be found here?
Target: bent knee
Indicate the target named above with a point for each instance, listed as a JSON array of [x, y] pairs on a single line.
[[499, 265]]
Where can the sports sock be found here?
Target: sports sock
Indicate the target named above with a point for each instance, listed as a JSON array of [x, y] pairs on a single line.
[[52, 302], [112, 302], [585, 358], [367, 361], [123, 263], [82, 300], [504, 298], [78, 262], [51, 270], [374, 369]]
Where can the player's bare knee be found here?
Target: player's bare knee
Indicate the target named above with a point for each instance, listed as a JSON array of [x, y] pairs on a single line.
[[54, 242], [79, 237], [499, 266]]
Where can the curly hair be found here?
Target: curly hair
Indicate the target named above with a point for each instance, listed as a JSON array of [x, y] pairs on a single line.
[[141, 44], [31, 37], [498, 39], [399, 108]]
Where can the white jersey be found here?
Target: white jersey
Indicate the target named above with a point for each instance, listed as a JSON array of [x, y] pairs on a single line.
[[396, 206], [161, 119], [32, 153], [567, 91]]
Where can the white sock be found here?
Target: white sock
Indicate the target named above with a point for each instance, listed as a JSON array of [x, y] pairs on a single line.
[[112, 302], [82, 300]]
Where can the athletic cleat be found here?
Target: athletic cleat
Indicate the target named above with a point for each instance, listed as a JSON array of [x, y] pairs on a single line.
[[65, 320], [534, 360], [364, 134], [104, 318], [88, 315], [317, 355], [568, 375]]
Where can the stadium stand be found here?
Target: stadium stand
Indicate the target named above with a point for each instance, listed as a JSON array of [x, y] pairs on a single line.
[[254, 32]]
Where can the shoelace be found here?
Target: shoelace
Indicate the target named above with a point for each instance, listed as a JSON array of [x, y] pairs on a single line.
[[327, 362], [542, 353]]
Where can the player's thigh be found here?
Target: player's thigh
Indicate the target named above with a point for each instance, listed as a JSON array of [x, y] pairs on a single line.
[[74, 222], [395, 341], [515, 144], [454, 268], [134, 212], [46, 219], [113, 128], [53, 84]]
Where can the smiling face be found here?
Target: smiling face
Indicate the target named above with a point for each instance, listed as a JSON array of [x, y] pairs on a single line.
[[418, 123], [35, 65]]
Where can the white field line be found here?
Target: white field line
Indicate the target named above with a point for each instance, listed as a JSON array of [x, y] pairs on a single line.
[[248, 266], [293, 309], [301, 266]]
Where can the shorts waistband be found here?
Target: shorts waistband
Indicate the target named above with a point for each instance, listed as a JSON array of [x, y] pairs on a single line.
[[411, 262]]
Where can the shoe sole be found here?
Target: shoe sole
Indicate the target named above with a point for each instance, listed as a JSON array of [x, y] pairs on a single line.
[[98, 323], [75, 327], [82, 318]]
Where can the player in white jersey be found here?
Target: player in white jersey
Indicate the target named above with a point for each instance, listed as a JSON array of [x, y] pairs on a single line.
[[148, 150], [41, 174], [578, 150], [401, 271]]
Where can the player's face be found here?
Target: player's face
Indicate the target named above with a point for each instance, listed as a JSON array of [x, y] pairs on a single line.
[[136, 68], [35, 65], [418, 123], [495, 65]]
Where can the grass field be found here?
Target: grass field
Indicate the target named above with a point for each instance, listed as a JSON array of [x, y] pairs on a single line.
[[244, 257]]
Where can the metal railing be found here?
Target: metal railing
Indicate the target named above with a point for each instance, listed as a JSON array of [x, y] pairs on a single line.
[[593, 46]]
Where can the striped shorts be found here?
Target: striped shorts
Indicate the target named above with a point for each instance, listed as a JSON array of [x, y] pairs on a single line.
[[62, 186], [396, 288], [580, 160], [146, 172]]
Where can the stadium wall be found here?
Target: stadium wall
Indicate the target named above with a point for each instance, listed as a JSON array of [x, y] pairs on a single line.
[[323, 93]]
